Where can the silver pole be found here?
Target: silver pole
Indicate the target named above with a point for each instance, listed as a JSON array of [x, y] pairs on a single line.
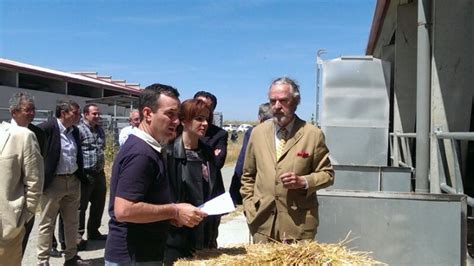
[[423, 89], [319, 63]]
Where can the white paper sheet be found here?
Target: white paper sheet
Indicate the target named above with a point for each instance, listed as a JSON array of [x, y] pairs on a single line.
[[218, 205]]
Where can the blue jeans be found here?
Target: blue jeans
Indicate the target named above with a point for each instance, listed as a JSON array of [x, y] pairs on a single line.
[[134, 263]]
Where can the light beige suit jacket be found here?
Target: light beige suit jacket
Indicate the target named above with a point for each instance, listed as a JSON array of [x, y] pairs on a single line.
[[263, 193], [21, 178]]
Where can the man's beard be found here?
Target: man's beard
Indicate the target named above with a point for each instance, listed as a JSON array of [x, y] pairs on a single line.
[[167, 140], [282, 119]]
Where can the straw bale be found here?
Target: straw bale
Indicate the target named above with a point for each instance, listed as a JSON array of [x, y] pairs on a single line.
[[300, 253]]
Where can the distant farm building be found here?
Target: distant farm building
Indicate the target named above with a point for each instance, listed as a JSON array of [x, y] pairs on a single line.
[[114, 97]]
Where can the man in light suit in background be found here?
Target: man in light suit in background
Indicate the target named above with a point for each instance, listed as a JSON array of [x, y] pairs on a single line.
[[23, 111], [21, 184], [286, 162]]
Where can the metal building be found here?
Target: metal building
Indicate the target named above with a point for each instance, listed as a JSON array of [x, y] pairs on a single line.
[[48, 85], [427, 46]]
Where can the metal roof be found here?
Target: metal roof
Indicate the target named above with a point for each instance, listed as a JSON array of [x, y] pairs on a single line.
[[118, 100], [86, 79]]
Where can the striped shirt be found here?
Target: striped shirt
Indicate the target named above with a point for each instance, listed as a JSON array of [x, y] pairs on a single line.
[[93, 146]]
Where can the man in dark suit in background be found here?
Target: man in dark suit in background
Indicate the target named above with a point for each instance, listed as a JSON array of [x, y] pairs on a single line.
[[216, 137], [64, 171], [264, 113], [22, 109]]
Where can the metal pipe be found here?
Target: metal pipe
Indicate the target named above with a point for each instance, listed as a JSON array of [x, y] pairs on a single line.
[[404, 135], [405, 165], [423, 90], [450, 190], [394, 150], [379, 181], [455, 135], [319, 63]]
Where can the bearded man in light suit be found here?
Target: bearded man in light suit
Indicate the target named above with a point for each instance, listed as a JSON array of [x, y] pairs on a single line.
[[21, 185], [283, 169]]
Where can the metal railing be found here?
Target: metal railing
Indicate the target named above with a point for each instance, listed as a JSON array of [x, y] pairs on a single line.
[[400, 151], [455, 185], [448, 150]]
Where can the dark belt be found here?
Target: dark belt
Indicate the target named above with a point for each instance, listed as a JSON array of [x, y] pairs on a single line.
[[64, 174], [93, 171]]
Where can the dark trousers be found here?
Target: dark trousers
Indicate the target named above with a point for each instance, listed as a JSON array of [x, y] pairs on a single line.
[[182, 242], [234, 190], [93, 192], [28, 228], [172, 254]]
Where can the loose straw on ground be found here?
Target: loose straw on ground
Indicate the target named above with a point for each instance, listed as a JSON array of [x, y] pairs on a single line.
[[301, 253]]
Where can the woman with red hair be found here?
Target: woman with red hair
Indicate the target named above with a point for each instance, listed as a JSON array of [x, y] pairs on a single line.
[[194, 179]]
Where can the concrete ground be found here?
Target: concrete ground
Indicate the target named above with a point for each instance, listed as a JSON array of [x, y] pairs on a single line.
[[233, 230]]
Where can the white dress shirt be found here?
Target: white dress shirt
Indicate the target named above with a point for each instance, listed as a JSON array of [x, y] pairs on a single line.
[[68, 155], [124, 133]]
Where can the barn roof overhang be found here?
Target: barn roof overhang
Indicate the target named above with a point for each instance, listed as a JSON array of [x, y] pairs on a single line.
[[88, 80], [377, 23]]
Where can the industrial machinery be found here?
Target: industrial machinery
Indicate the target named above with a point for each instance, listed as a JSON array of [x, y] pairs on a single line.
[[374, 198], [399, 123]]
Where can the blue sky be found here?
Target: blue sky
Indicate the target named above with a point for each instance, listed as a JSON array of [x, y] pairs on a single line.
[[233, 49]]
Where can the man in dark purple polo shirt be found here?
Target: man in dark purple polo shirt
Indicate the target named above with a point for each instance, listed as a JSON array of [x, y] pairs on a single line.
[[140, 208]]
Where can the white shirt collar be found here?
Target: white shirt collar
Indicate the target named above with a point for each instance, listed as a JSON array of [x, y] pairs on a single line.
[[147, 138], [14, 123], [62, 128]]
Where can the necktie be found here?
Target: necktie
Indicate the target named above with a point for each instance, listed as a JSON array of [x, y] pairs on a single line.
[[281, 145]]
